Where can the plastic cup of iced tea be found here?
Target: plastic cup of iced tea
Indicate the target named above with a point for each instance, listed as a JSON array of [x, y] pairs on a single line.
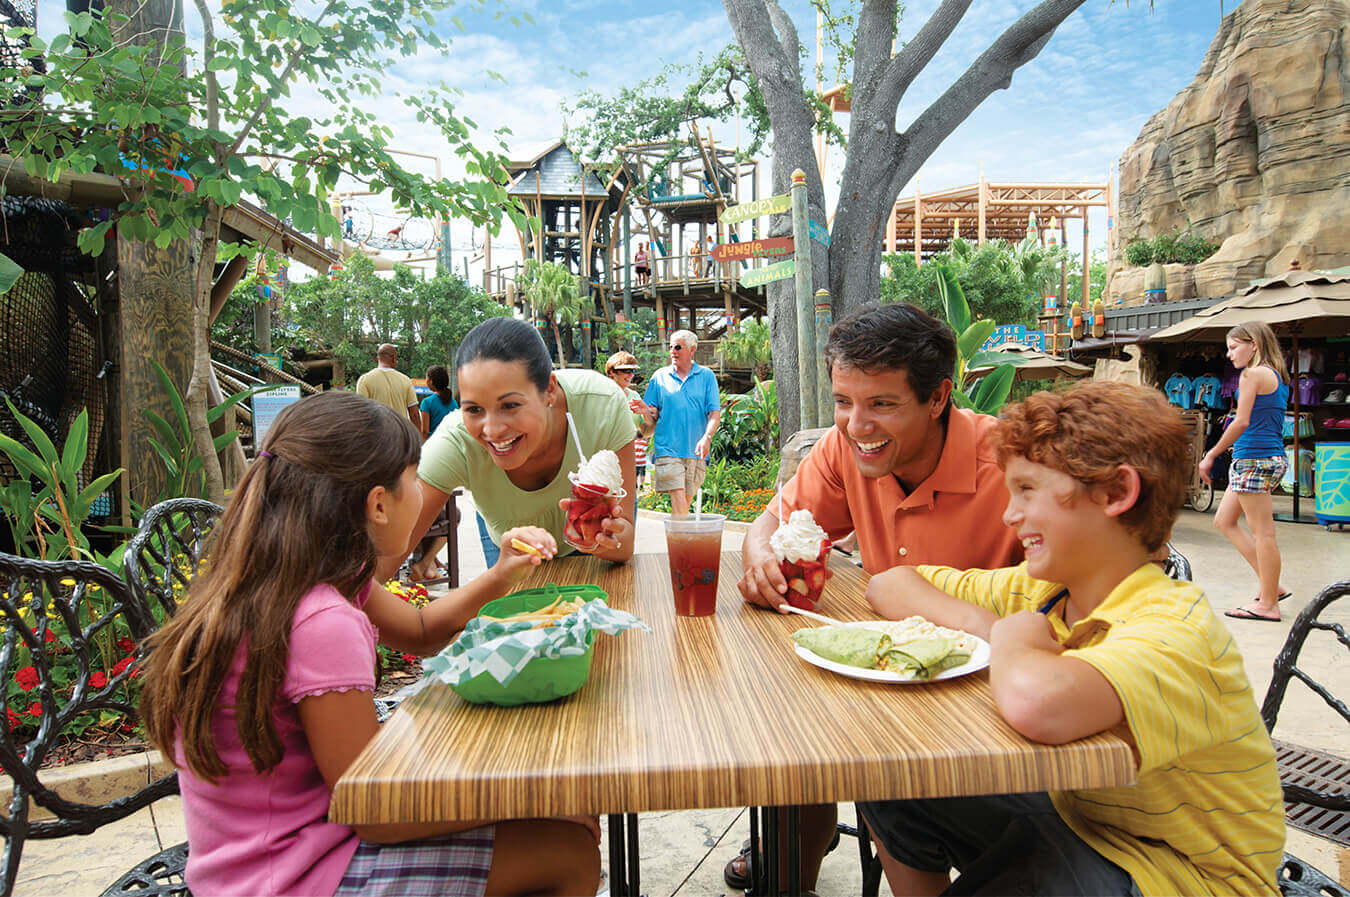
[[694, 545]]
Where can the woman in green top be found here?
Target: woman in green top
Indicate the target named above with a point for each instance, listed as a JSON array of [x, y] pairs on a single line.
[[509, 444]]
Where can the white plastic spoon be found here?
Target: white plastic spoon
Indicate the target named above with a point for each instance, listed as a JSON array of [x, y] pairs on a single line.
[[829, 621]]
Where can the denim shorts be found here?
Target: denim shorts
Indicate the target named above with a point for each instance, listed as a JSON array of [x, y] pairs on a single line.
[[1001, 844]]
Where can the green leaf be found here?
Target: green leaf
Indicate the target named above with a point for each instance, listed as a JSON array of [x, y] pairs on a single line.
[[224, 439], [968, 342], [953, 299], [993, 390], [46, 451], [29, 464], [166, 432], [985, 359], [10, 272], [175, 399], [77, 446], [85, 500], [213, 413]]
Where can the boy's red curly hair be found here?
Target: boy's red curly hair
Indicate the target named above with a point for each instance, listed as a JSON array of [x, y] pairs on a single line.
[[1091, 429]]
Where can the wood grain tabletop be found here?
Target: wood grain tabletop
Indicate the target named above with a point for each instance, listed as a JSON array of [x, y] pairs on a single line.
[[704, 712]]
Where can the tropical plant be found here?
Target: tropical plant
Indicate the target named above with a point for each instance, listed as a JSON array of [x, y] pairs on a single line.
[[49, 524], [749, 428], [1175, 247], [175, 448], [1002, 281], [749, 345], [10, 273], [989, 394], [555, 293]]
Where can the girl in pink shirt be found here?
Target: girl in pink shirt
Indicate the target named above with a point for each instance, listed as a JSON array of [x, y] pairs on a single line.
[[261, 686]]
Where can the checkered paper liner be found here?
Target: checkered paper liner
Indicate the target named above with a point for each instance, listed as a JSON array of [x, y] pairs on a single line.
[[502, 649]]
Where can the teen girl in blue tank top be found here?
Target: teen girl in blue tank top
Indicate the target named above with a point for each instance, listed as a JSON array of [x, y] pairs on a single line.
[[1256, 437]]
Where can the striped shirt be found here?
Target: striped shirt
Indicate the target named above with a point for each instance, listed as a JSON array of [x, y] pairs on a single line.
[[1206, 814]]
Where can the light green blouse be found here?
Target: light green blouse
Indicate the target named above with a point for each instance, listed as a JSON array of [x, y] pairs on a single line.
[[452, 458]]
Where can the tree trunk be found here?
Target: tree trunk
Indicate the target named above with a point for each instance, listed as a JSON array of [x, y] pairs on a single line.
[[197, 390], [557, 338]]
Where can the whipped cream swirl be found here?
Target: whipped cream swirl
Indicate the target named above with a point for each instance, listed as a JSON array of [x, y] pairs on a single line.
[[601, 470], [798, 539]]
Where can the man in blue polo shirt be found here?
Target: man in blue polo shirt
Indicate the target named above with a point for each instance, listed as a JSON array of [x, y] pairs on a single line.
[[683, 403]]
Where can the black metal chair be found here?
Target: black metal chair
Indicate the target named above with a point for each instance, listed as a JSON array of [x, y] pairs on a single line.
[[1310, 778], [166, 550], [62, 621]]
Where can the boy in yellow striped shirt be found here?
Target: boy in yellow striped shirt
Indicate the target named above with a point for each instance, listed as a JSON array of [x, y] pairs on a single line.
[[1088, 635]]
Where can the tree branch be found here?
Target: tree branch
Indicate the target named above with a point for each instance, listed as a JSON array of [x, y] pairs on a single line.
[[1015, 47], [209, 52], [901, 70], [872, 48]]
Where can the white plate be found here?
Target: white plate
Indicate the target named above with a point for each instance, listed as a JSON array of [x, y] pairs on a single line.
[[979, 659]]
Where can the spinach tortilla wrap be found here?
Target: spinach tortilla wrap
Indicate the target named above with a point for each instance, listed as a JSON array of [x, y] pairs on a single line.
[[924, 658], [848, 645]]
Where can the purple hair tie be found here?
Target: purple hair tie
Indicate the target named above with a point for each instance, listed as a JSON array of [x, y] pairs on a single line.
[[265, 454]]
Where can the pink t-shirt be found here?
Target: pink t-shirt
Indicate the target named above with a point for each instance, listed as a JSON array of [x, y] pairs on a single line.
[[269, 834]]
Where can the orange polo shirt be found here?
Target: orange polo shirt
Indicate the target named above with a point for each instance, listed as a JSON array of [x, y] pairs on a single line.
[[953, 518]]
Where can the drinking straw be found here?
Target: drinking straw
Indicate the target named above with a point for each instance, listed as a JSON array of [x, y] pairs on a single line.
[[698, 504], [572, 426]]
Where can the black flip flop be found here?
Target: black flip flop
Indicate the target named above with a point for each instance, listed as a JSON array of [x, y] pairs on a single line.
[[1284, 595], [738, 880], [1241, 613]]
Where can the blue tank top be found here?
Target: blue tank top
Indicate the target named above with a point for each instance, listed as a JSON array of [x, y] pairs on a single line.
[[1264, 436]]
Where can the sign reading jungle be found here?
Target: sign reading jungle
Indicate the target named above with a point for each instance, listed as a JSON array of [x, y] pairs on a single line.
[[755, 249]]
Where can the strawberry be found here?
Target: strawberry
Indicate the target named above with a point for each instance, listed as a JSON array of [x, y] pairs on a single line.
[[798, 585], [800, 601], [815, 580]]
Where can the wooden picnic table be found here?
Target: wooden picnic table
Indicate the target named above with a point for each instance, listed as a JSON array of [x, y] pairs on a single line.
[[704, 712]]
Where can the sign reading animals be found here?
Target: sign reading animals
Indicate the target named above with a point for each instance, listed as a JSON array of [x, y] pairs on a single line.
[[755, 249], [776, 271], [769, 205]]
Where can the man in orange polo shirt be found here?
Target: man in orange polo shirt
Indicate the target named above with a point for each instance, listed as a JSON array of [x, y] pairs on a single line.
[[912, 474]]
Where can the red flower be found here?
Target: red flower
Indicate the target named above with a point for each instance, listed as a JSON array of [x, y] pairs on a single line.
[[126, 644], [410, 658], [122, 665], [35, 709], [27, 678], [49, 637], [98, 680], [13, 718]]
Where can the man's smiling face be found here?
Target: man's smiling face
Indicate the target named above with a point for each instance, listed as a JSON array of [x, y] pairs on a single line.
[[886, 425]]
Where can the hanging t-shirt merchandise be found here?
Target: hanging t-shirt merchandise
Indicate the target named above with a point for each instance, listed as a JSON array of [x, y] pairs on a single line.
[[1199, 379]]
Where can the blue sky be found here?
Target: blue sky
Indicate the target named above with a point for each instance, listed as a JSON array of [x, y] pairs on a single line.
[[1067, 116]]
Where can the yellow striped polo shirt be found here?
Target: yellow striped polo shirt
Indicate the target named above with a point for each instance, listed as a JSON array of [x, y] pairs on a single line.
[[1206, 814]]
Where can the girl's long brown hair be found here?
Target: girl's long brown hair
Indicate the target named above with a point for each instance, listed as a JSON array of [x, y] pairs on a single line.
[[297, 519], [1267, 346]]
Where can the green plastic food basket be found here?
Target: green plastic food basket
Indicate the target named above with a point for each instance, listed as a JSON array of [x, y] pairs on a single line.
[[544, 678]]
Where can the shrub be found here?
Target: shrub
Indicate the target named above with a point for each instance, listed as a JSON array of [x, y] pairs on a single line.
[[1173, 248]]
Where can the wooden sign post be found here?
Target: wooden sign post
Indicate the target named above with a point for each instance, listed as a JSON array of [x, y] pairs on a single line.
[[824, 395], [806, 327]]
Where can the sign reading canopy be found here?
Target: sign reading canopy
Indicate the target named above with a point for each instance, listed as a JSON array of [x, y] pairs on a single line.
[[769, 205], [776, 271], [755, 249]]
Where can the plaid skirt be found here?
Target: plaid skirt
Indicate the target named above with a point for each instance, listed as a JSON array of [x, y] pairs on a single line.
[[454, 865], [1256, 474]]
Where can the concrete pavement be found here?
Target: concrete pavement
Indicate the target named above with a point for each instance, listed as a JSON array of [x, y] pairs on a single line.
[[684, 852]]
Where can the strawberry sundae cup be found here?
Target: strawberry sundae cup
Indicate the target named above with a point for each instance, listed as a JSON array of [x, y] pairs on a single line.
[[595, 486], [802, 548]]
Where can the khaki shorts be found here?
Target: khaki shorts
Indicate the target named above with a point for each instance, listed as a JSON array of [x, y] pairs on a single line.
[[670, 474]]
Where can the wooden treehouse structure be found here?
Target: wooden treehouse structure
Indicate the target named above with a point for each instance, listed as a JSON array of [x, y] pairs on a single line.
[[926, 223], [663, 196]]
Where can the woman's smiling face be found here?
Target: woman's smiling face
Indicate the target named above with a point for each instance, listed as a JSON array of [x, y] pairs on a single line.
[[504, 411]]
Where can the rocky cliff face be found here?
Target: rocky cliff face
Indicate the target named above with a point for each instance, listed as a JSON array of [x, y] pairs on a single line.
[[1254, 153]]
